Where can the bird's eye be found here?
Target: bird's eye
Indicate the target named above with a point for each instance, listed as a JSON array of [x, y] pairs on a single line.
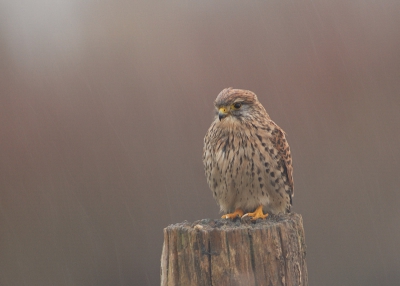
[[237, 105]]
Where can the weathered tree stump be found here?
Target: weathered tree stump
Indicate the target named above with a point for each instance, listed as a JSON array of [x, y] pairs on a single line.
[[223, 252]]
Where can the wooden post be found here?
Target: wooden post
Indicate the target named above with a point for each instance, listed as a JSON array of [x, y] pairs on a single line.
[[224, 252]]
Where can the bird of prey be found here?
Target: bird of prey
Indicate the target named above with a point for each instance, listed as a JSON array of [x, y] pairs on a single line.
[[246, 158]]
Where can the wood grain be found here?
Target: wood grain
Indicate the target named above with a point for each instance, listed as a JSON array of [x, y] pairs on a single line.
[[241, 252]]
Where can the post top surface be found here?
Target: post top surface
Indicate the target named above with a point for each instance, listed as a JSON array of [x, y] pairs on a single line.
[[227, 224]]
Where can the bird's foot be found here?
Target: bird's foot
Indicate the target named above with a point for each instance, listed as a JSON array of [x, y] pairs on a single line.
[[258, 213], [235, 214]]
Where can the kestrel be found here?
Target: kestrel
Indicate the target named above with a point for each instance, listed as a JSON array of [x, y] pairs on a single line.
[[246, 158]]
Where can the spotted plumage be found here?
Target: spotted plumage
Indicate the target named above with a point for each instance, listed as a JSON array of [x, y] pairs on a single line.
[[246, 157]]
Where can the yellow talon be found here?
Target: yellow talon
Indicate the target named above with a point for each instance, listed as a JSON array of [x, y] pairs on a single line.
[[258, 213], [235, 214]]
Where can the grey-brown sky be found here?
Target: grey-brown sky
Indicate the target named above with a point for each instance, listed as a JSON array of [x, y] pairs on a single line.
[[103, 109]]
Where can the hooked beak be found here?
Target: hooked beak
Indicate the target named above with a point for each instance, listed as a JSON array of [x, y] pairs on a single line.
[[222, 113]]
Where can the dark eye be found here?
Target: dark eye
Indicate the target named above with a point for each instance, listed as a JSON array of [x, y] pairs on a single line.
[[237, 105]]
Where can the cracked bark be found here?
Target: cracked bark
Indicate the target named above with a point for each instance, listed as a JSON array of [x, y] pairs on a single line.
[[222, 252]]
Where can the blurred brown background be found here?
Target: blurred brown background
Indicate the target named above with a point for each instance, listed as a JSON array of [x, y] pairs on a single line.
[[103, 109]]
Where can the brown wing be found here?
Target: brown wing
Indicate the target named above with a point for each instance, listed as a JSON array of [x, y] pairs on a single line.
[[285, 158]]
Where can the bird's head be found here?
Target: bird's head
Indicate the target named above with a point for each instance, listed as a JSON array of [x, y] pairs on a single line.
[[237, 104]]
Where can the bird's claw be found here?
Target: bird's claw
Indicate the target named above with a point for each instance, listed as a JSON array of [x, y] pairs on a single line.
[[235, 214], [258, 213]]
